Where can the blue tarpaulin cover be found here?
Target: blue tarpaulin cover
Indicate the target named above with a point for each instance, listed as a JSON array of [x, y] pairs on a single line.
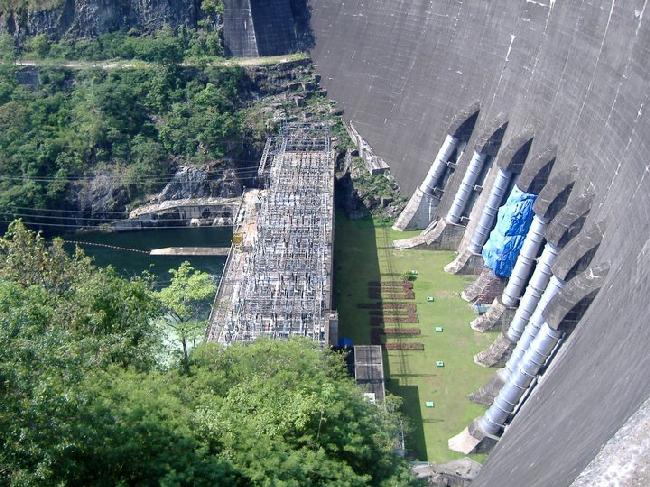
[[513, 221], [345, 342]]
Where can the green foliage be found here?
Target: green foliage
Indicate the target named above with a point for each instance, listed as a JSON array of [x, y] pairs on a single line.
[[93, 307], [83, 402], [165, 46], [201, 125], [212, 7], [288, 415], [134, 429], [341, 135], [7, 48], [204, 44], [372, 188], [128, 123], [185, 300], [213, 11], [39, 45], [188, 289]]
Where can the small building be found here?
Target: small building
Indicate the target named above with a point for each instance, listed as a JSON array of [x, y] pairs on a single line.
[[369, 371]]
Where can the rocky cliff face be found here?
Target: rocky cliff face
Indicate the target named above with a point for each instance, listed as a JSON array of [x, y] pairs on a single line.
[[193, 182], [105, 196], [89, 18]]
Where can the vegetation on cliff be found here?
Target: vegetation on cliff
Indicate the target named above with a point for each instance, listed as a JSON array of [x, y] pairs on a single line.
[[60, 129], [85, 400], [20, 5], [164, 46], [132, 125], [125, 30]]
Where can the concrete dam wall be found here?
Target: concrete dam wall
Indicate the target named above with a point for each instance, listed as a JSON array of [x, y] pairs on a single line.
[[259, 27], [576, 75]]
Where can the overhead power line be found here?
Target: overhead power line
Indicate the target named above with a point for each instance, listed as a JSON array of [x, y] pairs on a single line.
[[132, 181], [65, 213], [95, 227], [104, 220], [53, 210]]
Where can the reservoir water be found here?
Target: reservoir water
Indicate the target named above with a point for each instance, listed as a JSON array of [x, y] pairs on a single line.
[[130, 263]]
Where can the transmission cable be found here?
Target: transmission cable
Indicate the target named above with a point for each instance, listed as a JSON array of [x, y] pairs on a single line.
[[104, 220], [135, 228]]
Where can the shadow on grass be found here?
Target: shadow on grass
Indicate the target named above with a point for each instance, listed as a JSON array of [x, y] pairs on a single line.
[[415, 441], [357, 263], [414, 375]]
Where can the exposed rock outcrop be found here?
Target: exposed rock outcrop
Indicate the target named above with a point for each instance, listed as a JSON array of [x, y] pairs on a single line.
[[457, 473], [193, 182], [361, 193], [103, 196], [89, 18]]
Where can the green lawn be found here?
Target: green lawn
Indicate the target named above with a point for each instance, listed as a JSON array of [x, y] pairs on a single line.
[[362, 254]]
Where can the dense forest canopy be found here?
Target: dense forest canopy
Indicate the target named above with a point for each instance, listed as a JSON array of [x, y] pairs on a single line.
[[60, 127], [130, 124], [86, 400], [164, 46]]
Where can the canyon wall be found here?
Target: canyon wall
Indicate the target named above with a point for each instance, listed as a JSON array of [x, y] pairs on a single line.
[[90, 18]]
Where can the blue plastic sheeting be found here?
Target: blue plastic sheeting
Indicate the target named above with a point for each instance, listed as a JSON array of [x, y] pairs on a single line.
[[345, 342], [513, 221]]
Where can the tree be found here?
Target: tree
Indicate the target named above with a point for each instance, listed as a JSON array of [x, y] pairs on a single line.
[[39, 45], [7, 48], [185, 299], [135, 429], [109, 319], [287, 413], [205, 43], [83, 400], [60, 319], [204, 125], [163, 47], [212, 7], [134, 125]]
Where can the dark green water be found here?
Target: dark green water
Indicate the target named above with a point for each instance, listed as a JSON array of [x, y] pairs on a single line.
[[129, 263]]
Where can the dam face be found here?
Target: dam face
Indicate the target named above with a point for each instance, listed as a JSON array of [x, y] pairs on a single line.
[[259, 27], [577, 74]]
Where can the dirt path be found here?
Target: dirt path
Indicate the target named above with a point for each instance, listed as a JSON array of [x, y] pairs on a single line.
[[134, 64]]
